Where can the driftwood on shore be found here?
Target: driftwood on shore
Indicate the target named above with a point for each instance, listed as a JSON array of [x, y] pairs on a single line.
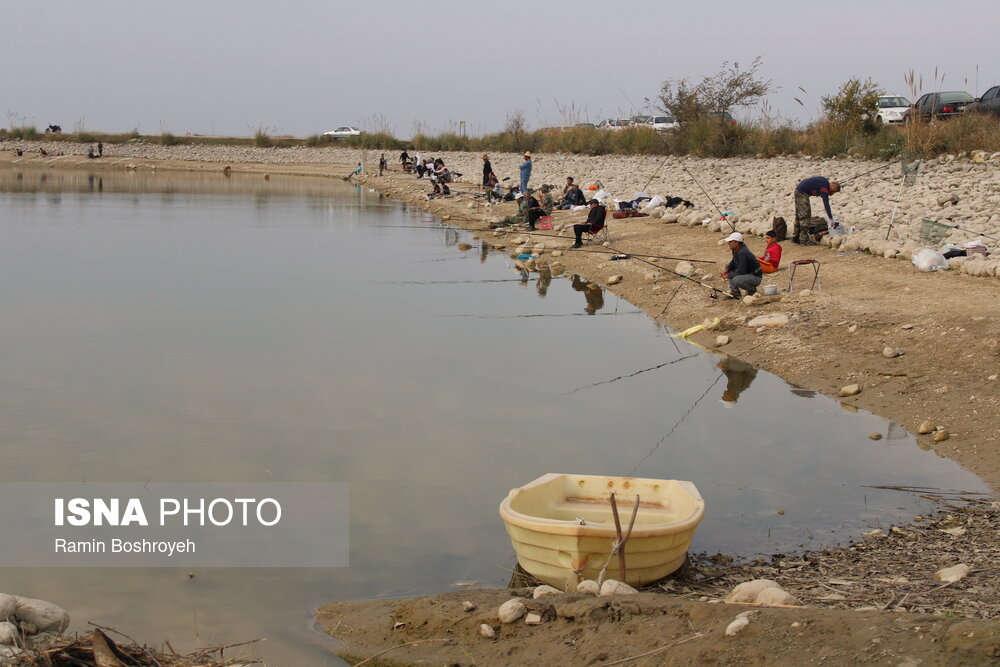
[[96, 649]]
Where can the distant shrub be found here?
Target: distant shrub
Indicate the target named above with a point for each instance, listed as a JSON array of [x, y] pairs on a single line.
[[168, 139]]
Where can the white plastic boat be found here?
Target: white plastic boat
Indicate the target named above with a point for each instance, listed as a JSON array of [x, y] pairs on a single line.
[[563, 529]]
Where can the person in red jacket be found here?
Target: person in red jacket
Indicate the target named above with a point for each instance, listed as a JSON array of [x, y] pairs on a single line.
[[772, 253]]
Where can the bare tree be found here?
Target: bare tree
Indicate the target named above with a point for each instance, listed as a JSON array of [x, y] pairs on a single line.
[[729, 88], [516, 127]]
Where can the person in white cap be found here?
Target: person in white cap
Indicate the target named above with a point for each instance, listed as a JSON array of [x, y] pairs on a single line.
[[743, 271]]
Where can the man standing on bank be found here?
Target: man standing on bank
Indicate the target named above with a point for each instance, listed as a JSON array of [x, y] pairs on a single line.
[[817, 186], [487, 172], [525, 173], [743, 271]]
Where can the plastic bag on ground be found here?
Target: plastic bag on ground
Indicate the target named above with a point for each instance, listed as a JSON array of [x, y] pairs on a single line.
[[657, 200], [928, 260]]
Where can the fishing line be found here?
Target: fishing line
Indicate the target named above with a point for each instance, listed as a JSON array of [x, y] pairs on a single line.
[[630, 375], [865, 173], [677, 423], [724, 216]]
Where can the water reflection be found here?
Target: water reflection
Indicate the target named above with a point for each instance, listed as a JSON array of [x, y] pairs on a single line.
[[543, 282], [739, 376], [591, 292]]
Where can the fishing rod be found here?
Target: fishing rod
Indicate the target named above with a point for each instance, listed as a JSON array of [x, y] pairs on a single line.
[[609, 251], [655, 172], [968, 231], [724, 216], [870, 171], [714, 289]]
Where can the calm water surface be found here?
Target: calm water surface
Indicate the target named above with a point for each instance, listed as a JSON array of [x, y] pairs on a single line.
[[199, 328]]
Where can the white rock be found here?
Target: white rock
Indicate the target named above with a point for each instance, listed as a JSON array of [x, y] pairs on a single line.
[[557, 253], [721, 340], [487, 631], [952, 574], [615, 587], [468, 606], [669, 217], [891, 352], [749, 590], [805, 292], [8, 634], [614, 280], [533, 619], [8, 605], [545, 589], [772, 320], [776, 596], [850, 390], [737, 625], [45, 616], [684, 268], [588, 586], [749, 300], [511, 610]]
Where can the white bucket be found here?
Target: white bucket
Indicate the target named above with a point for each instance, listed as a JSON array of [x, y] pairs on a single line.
[[770, 290]]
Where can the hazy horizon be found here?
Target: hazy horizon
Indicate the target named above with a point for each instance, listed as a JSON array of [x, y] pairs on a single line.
[[305, 67]]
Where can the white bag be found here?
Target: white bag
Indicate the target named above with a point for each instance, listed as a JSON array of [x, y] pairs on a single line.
[[928, 260], [657, 200]]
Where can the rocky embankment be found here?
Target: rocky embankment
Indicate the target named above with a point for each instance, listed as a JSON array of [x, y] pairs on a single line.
[[957, 190]]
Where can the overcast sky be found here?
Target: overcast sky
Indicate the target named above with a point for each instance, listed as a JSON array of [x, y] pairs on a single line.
[[301, 67]]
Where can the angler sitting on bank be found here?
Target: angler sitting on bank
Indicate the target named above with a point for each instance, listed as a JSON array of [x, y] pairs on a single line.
[[743, 271], [772, 253], [574, 197], [594, 223]]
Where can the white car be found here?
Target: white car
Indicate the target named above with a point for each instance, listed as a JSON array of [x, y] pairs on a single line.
[[891, 109], [344, 132], [654, 122], [663, 123], [614, 124]]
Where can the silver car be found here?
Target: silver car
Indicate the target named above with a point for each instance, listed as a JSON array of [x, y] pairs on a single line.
[[343, 132]]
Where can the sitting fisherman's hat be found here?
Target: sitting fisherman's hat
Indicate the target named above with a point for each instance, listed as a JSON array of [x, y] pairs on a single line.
[[735, 236]]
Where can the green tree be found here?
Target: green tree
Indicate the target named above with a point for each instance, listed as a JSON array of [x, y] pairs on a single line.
[[856, 103]]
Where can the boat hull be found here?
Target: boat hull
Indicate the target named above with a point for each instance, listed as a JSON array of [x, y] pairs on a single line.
[[562, 527]]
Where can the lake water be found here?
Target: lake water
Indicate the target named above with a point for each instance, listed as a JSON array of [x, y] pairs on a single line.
[[204, 328]]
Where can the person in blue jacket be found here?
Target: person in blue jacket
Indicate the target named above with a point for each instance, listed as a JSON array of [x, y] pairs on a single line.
[[525, 173], [817, 186]]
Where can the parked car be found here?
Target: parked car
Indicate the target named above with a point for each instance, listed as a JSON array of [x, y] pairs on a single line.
[[614, 124], [988, 103], [891, 109], [655, 122], [664, 123], [343, 132], [938, 106], [591, 125], [724, 116]]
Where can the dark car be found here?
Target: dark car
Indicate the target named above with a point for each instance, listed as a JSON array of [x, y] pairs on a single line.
[[724, 117], [938, 106], [988, 103]]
